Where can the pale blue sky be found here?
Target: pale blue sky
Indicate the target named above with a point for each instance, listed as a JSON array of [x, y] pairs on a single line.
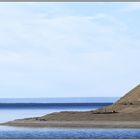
[[69, 49]]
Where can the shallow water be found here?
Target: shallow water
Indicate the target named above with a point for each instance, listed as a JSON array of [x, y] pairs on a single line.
[[60, 133]]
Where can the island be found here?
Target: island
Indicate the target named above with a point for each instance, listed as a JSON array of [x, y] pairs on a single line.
[[125, 113]]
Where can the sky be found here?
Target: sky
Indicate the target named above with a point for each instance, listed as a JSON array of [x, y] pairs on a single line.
[[69, 49]]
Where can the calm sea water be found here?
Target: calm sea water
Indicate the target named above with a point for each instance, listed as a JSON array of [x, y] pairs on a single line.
[[11, 109]]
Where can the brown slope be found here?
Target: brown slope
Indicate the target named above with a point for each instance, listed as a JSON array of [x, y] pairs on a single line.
[[133, 96], [126, 108], [127, 104]]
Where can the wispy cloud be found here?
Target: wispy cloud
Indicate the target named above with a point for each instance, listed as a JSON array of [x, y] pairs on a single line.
[[44, 50], [131, 7]]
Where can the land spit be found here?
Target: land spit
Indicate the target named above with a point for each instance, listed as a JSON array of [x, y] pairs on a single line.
[[125, 113]]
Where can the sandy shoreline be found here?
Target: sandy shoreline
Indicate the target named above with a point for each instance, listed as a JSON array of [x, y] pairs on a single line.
[[75, 124], [80, 120], [125, 113]]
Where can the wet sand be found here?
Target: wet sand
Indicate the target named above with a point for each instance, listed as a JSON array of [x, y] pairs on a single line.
[[76, 124], [81, 120]]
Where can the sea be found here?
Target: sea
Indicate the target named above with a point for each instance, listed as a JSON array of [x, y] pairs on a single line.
[[17, 108]]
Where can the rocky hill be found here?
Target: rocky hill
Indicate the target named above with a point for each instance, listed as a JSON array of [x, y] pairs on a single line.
[[128, 103], [126, 108]]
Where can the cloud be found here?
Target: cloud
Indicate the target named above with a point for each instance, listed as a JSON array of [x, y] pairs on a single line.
[[45, 54], [130, 7]]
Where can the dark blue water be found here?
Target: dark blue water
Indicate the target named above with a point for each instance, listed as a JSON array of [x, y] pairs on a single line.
[[53, 105], [12, 111], [15, 109]]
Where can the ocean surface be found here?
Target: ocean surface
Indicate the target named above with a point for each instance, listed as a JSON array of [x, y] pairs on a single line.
[[11, 109]]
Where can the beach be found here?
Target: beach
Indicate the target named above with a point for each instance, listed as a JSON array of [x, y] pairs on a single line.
[[125, 113], [81, 120], [77, 124]]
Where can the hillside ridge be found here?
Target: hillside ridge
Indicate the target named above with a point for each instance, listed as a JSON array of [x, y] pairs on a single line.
[[130, 102]]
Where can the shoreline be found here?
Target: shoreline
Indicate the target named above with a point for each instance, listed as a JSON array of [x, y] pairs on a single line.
[[74, 124], [86, 119], [125, 113]]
